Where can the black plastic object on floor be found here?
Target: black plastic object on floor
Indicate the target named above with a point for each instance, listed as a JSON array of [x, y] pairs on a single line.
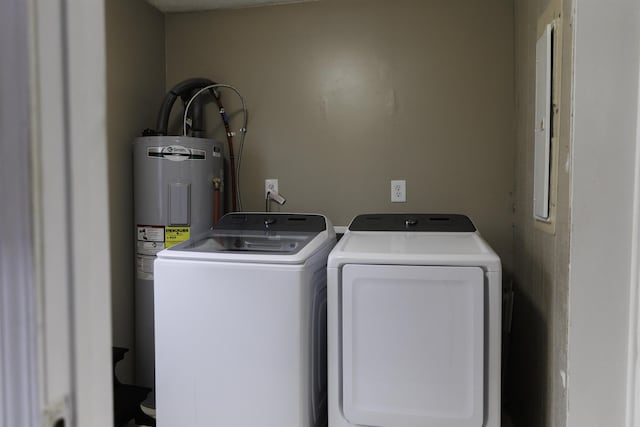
[[127, 398]]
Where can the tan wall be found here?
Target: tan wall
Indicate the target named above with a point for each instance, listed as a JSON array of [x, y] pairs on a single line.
[[538, 358], [135, 87], [346, 95]]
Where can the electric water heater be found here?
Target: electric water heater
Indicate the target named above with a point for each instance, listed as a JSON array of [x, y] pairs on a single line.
[[177, 194]]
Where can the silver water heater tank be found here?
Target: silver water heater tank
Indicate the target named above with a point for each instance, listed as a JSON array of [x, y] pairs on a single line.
[[176, 179]]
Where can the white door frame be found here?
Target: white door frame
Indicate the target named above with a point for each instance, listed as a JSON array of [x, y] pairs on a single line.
[[603, 288], [633, 385], [89, 212], [71, 193]]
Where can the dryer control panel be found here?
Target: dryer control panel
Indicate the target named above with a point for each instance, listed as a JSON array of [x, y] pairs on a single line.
[[412, 222]]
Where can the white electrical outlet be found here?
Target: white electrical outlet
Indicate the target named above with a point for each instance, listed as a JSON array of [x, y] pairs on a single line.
[[270, 185], [398, 190]]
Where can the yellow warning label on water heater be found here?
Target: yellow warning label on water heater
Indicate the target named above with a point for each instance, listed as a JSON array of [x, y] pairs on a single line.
[[175, 235]]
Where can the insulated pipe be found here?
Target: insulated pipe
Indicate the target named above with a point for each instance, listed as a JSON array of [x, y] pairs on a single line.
[[225, 120], [232, 157], [197, 116], [184, 90]]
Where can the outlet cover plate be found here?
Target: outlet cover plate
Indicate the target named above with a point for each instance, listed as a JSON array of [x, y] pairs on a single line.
[[398, 191], [270, 184]]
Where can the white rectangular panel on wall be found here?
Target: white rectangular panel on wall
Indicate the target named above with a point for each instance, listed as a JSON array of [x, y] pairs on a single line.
[[413, 345], [542, 126]]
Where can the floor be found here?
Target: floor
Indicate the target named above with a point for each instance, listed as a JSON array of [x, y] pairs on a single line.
[[506, 422]]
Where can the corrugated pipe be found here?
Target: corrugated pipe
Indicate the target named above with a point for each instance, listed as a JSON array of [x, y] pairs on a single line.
[[184, 90]]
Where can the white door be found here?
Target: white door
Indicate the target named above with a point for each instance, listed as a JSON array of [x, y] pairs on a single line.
[[55, 349], [18, 327], [412, 345]]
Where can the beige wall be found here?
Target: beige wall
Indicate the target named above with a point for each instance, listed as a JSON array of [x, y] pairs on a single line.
[[538, 358], [135, 87], [346, 95]]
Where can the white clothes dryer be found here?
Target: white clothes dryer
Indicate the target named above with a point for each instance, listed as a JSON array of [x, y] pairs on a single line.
[[240, 324], [414, 324]]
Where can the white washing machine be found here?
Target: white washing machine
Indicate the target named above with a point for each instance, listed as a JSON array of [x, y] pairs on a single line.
[[414, 324], [240, 324]]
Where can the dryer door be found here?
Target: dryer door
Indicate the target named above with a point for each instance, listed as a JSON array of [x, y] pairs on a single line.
[[412, 345]]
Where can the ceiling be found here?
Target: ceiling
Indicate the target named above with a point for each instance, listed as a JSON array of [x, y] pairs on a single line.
[[195, 5]]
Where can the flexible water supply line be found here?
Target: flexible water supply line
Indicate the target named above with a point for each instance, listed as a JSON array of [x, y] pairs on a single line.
[[235, 171]]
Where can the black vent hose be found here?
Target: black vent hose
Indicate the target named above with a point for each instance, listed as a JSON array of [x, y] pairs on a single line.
[[184, 90]]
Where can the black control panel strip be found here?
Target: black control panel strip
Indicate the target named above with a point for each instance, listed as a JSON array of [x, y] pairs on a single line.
[[412, 222], [272, 221]]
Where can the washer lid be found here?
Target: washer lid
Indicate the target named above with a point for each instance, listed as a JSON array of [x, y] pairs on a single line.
[[282, 243], [258, 237]]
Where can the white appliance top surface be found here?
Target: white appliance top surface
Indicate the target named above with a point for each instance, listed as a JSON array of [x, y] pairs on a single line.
[[283, 239], [415, 248]]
